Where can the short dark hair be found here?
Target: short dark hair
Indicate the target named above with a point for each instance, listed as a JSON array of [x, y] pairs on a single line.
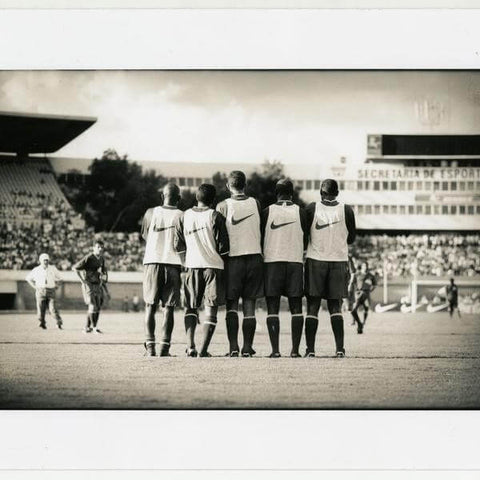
[[284, 187], [329, 187], [206, 193], [98, 241], [237, 179], [171, 189]]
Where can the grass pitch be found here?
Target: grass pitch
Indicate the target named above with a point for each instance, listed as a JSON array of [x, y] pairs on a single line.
[[401, 361]]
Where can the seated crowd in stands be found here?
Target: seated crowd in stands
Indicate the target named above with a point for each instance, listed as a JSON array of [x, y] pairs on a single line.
[[437, 255]]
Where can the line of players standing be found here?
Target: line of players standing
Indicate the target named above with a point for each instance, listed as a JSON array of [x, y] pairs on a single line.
[[225, 262], [240, 251]]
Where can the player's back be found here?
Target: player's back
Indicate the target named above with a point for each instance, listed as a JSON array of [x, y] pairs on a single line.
[[283, 237], [199, 229], [243, 225], [160, 233], [328, 234]]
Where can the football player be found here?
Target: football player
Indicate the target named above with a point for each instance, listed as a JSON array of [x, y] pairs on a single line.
[[452, 297], [365, 283], [45, 279], [332, 229], [201, 235], [93, 275], [284, 238], [244, 265], [162, 268]]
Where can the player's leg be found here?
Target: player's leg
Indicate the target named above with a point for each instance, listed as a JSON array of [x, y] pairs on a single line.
[[169, 292], [336, 320], [294, 292], [52, 306], [252, 288], [214, 297], [450, 309], [233, 279], [315, 289], [356, 305], [231, 320], [249, 325], [193, 289], [366, 308], [337, 289], [98, 302], [311, 324], [149, 328], [41, 308], [273, 324], [295, 305], [86, 297], [151, 292]]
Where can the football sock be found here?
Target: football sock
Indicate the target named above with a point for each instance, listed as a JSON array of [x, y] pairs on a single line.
[[273, 326], [149, 323], [208, 328], [356, 317], [297, 329], [95, 319], [231, 320], [365, 315], [167, 325], [249, 325], [190, 326], [336, 320], [89, 321], [311, 325]]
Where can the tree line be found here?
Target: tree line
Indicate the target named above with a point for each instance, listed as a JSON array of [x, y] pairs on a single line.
[[118, 191]]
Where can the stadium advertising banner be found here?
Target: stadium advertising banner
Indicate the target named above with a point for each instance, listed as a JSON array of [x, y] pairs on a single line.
[[434, 173]]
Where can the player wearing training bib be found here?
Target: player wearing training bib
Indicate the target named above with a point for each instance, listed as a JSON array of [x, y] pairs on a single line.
[[45, 279], [365, 283], [162, 268], [332, 229], [244, 264], [284, 234], [202, 237]]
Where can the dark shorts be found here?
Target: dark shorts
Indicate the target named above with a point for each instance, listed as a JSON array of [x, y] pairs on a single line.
[[328, 280], [161, 283], [93, 295], [207, 284], [283, 279], [362, 298], [244, 277]]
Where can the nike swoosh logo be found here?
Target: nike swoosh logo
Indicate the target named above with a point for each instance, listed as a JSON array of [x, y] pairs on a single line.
[[196, 230], [325, 225], [384, 308], [274, 227], [436, 308], [161, 229], [236, 222], [408, 308]]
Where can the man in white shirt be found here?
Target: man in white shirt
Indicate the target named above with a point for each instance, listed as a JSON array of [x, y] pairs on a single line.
[[44, 279]]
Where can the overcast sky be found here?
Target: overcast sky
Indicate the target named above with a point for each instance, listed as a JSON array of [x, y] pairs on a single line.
[[304, 117]]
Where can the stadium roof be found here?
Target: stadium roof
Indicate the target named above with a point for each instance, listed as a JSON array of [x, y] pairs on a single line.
[[30, 133]]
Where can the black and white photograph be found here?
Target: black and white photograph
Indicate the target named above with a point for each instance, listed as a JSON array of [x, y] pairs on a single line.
[[239, 242], [247, 239]]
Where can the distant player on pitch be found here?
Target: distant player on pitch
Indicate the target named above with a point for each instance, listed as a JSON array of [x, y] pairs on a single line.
[[244, 265], [452, 298], [45, 279], [332, 229], [285, 236], [365, 283], [93, 275], [162, 268], [201, 235]]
